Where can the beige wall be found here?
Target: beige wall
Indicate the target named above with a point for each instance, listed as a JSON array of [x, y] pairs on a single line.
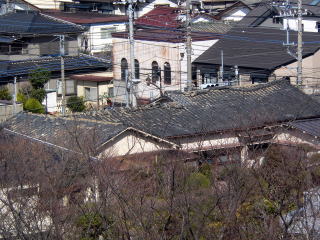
[[146, 52], [7, 111], [103, 88], [130, 143], [310, 73]]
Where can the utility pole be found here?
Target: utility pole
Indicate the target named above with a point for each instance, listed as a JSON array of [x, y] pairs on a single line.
[[289, 11], [63, 80], [15, 95], [129, 86], [299, 69], [222, 67], [188, 46]]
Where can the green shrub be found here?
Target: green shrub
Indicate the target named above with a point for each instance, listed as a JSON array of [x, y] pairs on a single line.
[[22, 98], [5, 94], [39, 94], [205, 169], [198, 180], [33, 105], [76, 104]]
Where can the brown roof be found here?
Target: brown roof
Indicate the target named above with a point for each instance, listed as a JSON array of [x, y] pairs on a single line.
[[174, 36], [87, 17], [91, 78]]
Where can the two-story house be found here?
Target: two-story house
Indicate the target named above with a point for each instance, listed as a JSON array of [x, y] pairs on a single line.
[[160, 53], [32, 40]]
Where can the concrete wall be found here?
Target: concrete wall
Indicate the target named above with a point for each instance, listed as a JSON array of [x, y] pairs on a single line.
[[7, 111], [96, 42], [148, 51]]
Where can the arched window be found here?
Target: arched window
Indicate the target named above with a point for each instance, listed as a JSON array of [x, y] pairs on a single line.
[[167, 73], [124, 69], [136, 69], [155, 72]]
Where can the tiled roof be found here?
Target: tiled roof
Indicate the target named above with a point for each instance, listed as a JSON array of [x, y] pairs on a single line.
[[30, 23], [217, 110], [258, 48], [88, 17], [212, 27], [24, 67], [166, 17], [310, 126], [203, 112], [61, 131]]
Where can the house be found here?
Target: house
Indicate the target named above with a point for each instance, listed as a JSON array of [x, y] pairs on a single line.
[[160, 55], [35, 45], [48, 4], [233, 13], [18, 5], [217, 125], [118, 7], [255, 55], [95, 88], [97, 37], [265, 15]]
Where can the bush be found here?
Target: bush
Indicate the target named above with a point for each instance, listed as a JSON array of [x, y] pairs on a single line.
[[33, 105], [38, 78], [38, 94], [22, 98], [5, 94], [76, 104], [198, 180]]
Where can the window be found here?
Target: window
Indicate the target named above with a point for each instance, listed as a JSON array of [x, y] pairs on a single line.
[[70, 87], [110, 92], [124, 69], [276, 20], [136, 69], [90, 94], [155, 72], [167, 73], [106, 32]]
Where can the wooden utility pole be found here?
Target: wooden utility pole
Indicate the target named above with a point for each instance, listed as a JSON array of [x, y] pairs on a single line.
[[188, 46], [63, 80], [131, 39], [15, 95], [299, 50]]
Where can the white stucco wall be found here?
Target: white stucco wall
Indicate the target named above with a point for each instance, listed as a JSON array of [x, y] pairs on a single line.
[[236, 15], [96, 41], [308, 25]]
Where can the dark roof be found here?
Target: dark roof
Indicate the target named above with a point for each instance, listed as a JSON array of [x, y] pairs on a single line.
[[87, 17], [175, 36], [224, 109], [212, 27], [30, 23], [59, 130], [166, 17], [310, 126], [24, 67], [202, 112], [257, 48]]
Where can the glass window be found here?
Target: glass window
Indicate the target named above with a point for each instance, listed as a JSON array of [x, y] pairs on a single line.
[[124, 69], [136, 69], [106, 32], [167, 73], [155, 72]]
